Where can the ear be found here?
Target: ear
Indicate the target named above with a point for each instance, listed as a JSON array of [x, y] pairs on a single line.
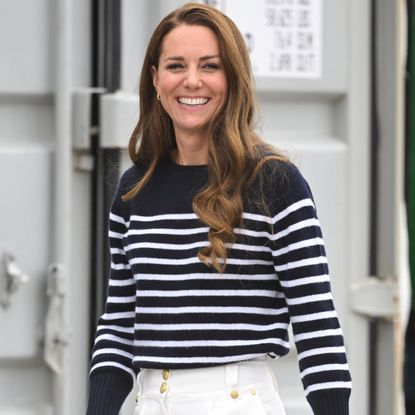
[[154, 74]]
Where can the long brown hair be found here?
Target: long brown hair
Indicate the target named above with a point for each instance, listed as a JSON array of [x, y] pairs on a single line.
[[236, 153]]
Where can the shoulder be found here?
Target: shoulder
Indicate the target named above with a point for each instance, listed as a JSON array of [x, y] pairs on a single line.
[[127, 181], [130, 177], [288, 194], [285, 183]]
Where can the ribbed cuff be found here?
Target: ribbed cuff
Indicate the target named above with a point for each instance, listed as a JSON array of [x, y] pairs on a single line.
[[330, 402], [107, 392]]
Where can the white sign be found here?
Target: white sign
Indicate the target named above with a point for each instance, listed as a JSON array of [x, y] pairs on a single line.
[[283, 36]]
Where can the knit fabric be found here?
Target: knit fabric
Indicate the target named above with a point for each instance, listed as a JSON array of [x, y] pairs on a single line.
[[166, 309]]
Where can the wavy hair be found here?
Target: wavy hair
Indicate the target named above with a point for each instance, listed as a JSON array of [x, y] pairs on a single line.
[[236, 154]]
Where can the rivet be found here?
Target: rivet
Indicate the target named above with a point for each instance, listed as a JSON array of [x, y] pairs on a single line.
[[163, 387], [234, 394]]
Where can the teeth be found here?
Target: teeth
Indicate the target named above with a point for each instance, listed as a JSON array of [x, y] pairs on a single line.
[[193, 101]]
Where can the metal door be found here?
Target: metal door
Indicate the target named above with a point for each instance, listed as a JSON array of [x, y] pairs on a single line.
[[25, 169], [35, 44], [323, 124]]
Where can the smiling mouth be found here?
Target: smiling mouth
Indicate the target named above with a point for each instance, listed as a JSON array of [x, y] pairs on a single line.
[[193, 101]]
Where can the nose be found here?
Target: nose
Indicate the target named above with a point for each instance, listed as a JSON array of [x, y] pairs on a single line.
[[192, 79]]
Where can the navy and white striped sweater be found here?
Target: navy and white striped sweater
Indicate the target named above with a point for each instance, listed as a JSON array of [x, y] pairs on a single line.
[[166, 309]]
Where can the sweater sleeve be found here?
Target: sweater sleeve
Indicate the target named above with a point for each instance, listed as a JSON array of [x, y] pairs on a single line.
[[112, 374], [301, 265]]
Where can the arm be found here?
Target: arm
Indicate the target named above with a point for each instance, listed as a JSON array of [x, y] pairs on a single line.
[[301, 265], [112, 375]]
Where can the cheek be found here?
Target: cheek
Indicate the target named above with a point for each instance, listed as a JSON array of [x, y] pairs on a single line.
[[222, 87], [168, 82], [164, 84]]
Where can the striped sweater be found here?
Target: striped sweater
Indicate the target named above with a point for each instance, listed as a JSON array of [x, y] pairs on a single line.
[[166, 309]]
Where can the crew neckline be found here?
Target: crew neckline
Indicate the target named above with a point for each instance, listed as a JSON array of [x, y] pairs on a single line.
[[177, 166]]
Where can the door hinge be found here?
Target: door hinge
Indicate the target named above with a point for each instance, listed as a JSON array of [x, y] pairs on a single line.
[[376, 297], [82, 121], [57, 336], [119, 114], [11, 278]]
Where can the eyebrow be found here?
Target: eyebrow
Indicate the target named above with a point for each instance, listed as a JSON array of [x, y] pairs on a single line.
[[181, 58]]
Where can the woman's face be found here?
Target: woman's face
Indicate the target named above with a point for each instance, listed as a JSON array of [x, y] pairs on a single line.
[[190, 78]]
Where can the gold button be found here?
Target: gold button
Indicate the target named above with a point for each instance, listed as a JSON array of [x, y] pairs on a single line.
[[234, 394], [166, 374], [253, 391], [163, 387]]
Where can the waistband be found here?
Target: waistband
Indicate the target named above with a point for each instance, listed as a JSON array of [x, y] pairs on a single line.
[[159, 382]]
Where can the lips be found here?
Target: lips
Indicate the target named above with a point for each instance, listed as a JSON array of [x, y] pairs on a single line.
[[193, 101]]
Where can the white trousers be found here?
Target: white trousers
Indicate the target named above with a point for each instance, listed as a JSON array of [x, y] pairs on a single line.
[[245, 388]]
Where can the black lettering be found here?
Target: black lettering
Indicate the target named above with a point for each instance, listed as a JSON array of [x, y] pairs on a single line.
[[281, 62], [306, 62], [304, 18], [283, 40], [270, 17], [276, 17], [214, 3], [305, 40], [285, 18]]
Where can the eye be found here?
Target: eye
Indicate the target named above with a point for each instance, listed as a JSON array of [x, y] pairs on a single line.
[[211, 66], [174, 66]]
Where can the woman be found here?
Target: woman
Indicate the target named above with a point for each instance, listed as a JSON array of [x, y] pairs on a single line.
[[215, 246]]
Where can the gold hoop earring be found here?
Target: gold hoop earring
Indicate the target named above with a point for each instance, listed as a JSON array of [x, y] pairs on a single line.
[[158, 96]]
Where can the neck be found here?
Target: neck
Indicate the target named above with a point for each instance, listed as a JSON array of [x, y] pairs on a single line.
[[184, 159], [190, 152]]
